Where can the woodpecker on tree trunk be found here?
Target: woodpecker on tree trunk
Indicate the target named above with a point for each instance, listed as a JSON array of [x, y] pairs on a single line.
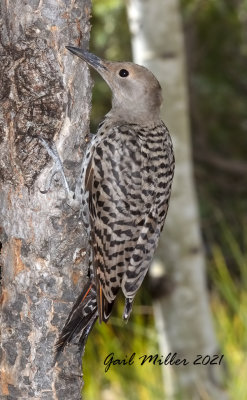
[[126, 182]]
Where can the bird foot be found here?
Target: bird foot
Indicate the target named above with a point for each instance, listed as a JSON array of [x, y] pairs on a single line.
[[58, 168]]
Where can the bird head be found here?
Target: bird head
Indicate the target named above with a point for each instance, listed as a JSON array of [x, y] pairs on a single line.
[[136, 93]]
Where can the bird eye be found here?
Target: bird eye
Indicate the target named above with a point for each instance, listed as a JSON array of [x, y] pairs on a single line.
[[123, 73]]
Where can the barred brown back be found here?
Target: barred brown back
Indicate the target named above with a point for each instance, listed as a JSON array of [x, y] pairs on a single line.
[[131, 170]]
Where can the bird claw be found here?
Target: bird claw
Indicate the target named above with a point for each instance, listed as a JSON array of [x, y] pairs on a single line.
[[58, 168], [72, 201], [49, 180]]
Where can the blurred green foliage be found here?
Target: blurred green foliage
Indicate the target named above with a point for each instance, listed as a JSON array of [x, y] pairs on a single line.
[[132, 382], [110, 39], [229, 303], [216, 33], [218, 71]]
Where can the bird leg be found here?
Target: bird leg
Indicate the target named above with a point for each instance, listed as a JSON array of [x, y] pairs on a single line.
[[57, 168]]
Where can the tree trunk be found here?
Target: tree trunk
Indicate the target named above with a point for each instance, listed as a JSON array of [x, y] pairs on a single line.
[[187, 323], [44, 91]]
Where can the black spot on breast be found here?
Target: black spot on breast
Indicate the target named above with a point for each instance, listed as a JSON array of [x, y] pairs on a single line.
[[106, 189], [99, 151], [105, 220]]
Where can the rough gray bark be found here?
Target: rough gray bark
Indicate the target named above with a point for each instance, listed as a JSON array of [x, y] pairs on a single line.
[[44, 91], [187, 323]]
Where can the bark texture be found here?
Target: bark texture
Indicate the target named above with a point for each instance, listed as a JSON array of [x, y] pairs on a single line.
[[187, 323], [43, 91]]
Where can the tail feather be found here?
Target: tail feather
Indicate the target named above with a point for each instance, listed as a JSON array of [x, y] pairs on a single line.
[[127, 308], [80, 320], [84, 336]]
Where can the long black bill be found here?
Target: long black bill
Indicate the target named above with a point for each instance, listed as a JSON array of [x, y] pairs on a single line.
[[90, 58]]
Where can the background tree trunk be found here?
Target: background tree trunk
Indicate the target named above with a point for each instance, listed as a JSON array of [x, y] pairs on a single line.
[[44, 91], [185, 322]]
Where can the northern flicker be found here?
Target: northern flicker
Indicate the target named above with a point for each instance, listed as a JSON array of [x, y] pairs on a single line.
[[126, 185]]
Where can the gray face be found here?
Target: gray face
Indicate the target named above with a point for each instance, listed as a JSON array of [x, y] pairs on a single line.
[[134, 88], [136, 93]]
